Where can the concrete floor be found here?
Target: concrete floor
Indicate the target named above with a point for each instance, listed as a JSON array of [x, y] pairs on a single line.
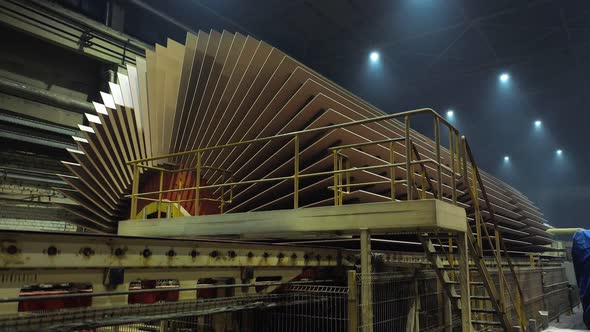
[[568, 322]]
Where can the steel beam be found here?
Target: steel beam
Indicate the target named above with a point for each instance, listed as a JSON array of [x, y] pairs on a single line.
[[31, 251], [45, 97], [65, 28]]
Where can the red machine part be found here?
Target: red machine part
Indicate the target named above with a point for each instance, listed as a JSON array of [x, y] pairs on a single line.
[[53, 304], [178, 180]]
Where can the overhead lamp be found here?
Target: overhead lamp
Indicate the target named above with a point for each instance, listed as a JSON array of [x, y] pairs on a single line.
[[504, 77], [374, 56]]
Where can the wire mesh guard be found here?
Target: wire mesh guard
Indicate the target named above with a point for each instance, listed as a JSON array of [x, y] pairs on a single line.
[[391, 301], [402, 303], [294, 308]]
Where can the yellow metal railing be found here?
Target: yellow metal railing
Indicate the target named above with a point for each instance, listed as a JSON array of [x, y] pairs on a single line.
[[297, 176], [460, 165]]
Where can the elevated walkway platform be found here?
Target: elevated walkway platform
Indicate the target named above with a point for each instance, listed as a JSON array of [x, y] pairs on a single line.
[[379, 218]]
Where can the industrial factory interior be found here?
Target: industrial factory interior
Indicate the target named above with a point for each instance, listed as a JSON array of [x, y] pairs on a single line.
[[325, 165]]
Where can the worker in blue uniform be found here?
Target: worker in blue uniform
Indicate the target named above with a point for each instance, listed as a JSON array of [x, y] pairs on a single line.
[[581, 258]]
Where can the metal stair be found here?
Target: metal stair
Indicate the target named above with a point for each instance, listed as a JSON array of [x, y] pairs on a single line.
[[447, 270], [491, 310]]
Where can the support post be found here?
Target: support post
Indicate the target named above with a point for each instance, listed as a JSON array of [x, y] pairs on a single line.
[[296, 174], [464, 282], [335, 155], [352, 302], [366, 282], [392, 170], [417, 304], [198, 184]]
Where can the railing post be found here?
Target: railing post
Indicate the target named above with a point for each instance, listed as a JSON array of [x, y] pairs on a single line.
[[439, 193], [160, 193], [198, 185], [464, 162], [347, 165], [392, 169], [353, 323], [476, 208], [335, 153], [501, 277], [222, 203], [457, 151], [452, 153], [296, 174], [134, 191], [409, 167], [340, 180]]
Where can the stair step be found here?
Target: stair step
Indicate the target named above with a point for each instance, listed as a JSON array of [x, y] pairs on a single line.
[[439, 237], [488, 310], [456, 268], [475, 297], [471, 283], [486, 322]]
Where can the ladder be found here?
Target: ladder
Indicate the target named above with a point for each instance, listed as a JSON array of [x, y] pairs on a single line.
[[485, 309], [490, 310]]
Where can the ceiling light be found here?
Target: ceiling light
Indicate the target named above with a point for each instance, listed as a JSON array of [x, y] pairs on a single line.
[[374, 56], [504, 77]]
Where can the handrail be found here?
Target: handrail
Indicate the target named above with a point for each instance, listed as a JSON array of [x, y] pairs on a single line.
[[301, 132], [521, 310], [138, 164]]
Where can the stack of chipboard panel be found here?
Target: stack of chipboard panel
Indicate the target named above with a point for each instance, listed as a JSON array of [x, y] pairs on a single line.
[[220, 88]]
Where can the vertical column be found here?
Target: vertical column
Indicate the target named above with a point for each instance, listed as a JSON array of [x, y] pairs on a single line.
[[336, 175], [366, 289], [107, 301], [439, 186], [352, 302], [134, 191], [187, 295], [198, 184], [9, 290], [392, 170], [296, 174], [417, 304], [464, 282], [409, 167]]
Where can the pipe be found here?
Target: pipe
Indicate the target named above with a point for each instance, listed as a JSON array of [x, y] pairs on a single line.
[[43, 96], [556, 231]]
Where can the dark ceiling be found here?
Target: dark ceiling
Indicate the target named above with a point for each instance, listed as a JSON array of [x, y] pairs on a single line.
[[441, 54]]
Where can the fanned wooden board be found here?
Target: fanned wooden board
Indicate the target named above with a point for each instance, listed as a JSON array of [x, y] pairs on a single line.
[[221, 88]]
